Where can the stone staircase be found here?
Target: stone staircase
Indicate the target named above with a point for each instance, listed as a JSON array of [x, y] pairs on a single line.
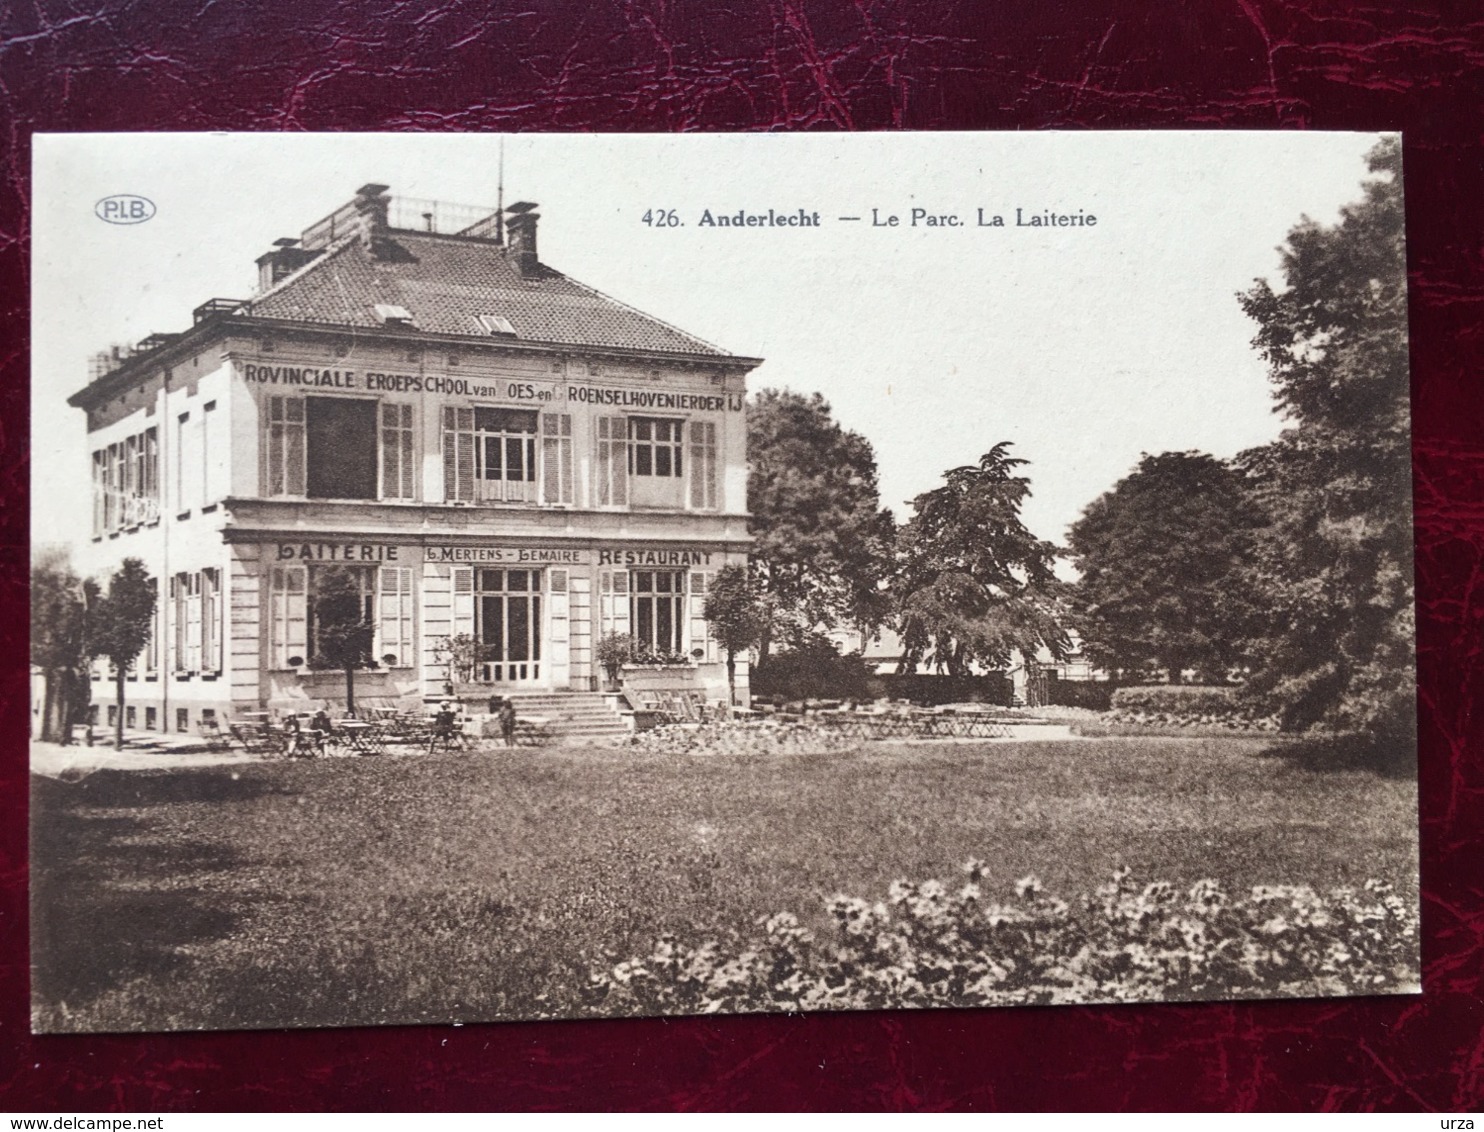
[[574, 716]]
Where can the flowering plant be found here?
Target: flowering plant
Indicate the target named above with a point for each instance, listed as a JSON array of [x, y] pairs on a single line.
[[927, 945]]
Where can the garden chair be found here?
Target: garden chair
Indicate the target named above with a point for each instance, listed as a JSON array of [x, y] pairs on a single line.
[[212, 736]]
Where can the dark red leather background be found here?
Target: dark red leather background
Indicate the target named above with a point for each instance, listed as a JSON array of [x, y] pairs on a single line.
[[819, 64]]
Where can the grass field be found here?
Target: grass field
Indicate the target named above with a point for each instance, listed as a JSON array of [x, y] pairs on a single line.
[[489, 886]]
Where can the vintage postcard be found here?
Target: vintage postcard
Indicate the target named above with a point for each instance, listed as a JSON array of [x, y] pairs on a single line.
[[484, 578]]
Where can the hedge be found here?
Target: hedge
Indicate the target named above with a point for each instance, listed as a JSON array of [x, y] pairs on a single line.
[[1095, 695], [1177, 699]]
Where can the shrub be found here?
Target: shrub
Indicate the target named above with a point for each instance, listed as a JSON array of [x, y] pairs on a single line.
[[813, 669], [926, 946], [933, 688], [1095, 695]]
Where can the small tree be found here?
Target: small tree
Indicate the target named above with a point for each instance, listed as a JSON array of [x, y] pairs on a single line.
[[120, 627], [737, 611], [344, 634], [458, 654]]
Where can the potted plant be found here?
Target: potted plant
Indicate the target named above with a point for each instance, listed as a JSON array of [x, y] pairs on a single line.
[[459, 654], [613, 652]]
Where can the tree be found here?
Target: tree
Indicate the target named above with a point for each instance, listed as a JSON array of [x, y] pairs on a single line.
[[60, 606], [822, 542], [736, 610], [1161, 557], [1333, 562], [120, 627], [344, 633], [974, 584]]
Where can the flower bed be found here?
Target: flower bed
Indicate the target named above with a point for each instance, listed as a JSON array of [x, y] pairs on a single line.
[[743, 738], [925, 946]]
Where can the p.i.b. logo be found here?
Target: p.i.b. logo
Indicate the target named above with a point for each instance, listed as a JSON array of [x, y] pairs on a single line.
[[124, 208]]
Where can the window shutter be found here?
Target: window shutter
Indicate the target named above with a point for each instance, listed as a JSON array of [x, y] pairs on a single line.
[[397, 461], [556, 457], [211, 638], [458, 454], [703, 465], [613, 461], [463, 600], [395, 622]]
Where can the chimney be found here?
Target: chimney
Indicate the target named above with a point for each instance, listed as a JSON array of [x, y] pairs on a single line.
[[372, 205], [520, 237], [285, 259]]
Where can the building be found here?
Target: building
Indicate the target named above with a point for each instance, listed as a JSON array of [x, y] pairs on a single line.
[[417, 410]]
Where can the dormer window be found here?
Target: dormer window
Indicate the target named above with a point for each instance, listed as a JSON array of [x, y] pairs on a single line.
[[494, 324], [392, 315]]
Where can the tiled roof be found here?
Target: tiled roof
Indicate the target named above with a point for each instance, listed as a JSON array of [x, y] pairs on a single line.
[[447, 282]]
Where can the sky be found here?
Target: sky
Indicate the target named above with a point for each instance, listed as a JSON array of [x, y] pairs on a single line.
[[1083, 345]]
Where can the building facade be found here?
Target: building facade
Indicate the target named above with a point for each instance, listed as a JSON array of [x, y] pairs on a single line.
[[415, 414]]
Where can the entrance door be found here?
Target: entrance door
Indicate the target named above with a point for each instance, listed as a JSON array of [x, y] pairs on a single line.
[[507, 610]]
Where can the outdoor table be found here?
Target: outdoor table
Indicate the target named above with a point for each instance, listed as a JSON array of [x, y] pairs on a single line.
[[362, 738]]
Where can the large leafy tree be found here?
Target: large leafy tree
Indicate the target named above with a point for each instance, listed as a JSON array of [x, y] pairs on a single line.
[[1333, 566], [974, 584], [1160, 559], [60, 607], [344, 634], [120, 625], [822, 542]]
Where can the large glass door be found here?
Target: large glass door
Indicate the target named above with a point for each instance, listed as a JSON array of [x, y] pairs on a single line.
[[507, 611]]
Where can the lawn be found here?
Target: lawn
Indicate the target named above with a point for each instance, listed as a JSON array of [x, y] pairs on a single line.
[[491, 885]]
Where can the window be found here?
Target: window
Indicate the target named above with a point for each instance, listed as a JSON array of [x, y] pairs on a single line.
[[494, 324], [151, 719], [285, 446], [613, 464], [654, 446], [182, 719], [392, 315], [186, 462], [489, 454], [215, 450], [556, 457], [340, 443], [131, 717], [395, 647], [126, 483], [397, 460], [657, 610], [703, 487], [386, 600]]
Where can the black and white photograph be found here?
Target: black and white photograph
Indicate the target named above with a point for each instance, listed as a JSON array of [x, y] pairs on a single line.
[[481, 578]]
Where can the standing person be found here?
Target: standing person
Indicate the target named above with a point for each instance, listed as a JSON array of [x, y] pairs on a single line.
[[507, 721]]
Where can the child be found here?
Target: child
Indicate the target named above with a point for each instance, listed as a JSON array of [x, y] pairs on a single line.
[[507, 721]]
